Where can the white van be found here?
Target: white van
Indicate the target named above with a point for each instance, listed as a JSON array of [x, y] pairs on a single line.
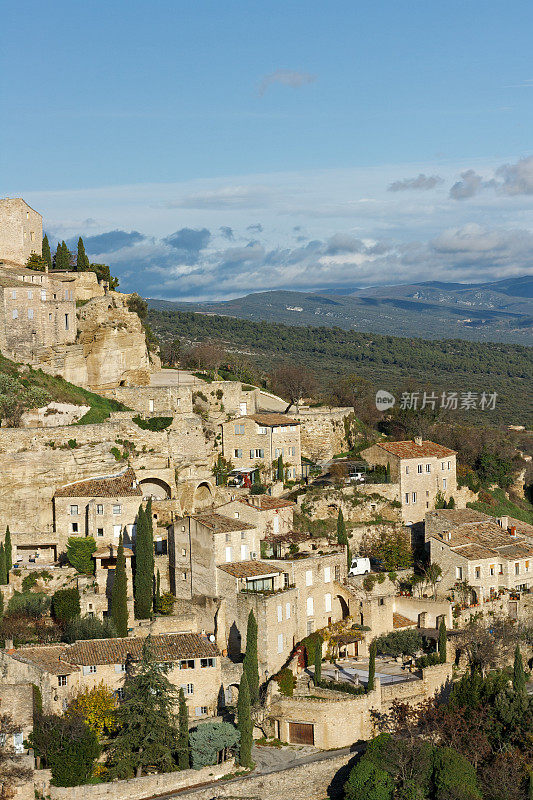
[[359, 566]]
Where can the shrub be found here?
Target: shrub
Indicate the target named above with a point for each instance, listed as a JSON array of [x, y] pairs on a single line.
[[79, 553], [339, 686], [428, 661], [397, 643], [165, 603], [286, 681], [34, 604], [68, 746], [154, 424], [210, 739], [88, 628], [310, 643], [258, 488], [66, 604]]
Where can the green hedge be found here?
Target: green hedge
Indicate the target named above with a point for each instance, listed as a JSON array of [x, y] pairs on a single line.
[[153, 423]]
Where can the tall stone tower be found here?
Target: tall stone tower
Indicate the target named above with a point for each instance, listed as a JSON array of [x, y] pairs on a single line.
[[21, 231]]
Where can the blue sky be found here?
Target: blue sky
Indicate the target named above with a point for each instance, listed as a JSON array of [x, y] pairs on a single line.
[[229, 147]]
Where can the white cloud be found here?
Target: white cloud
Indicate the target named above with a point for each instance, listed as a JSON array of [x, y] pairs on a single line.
[[286, 77], [421, 183]]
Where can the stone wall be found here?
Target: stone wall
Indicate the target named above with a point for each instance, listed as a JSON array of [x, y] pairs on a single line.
[[322, 431], [21, 230]]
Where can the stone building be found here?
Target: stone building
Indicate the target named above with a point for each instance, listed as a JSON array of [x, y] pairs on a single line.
[[290, 598], [98, 601], [421, 469], [261, 439], [198, 543], [21, 230], [103, 507], [482, 554], [63, 671], [270, 515], [35, 311]]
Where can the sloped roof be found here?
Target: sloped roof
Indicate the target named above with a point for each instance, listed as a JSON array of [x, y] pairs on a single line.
[[265, 502], [249, 569], [268, 419], [49, 657], [412, 450], [459, 516], [399, 621], [110, 551], [123, 484], [218, 523], [484, 540]]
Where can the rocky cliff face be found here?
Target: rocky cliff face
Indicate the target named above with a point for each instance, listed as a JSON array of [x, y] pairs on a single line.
[[114, 344]]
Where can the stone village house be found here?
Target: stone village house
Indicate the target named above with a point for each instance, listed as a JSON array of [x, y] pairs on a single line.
[[261, 439], [62, 671], [421, 469]]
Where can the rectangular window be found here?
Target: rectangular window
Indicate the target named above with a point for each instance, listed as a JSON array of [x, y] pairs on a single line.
[[74, 511], [74, 526], [443, 465], [477, 573], [309, 577], [186, 663], [407, 469], [67, 324], [120, 668], [89, 670], [237, 453], [492, 569], [414, 497], [527, 566], [310, 626], [239, 430], [150, 405], [517, 569], [444, 483], [459, 573], [207, 662], [62, 680], [183, 576], [30, 294], [236, 514], [428, 467], [200, 711], [280, 643], [15, 314], [243, 534], [310, 607], [287, 610], [99, 531], [257, 453], [285, 580], [119, 693], [337, 572], [262, 430], [449, 464], [407, 498], [43, 294], [30, 313], [188, 688], [14, 294], [229, 555], [327, 574], [183, 552], [419, 468], [99, 509], [117, 529], [244, 552], [280, 613], [327, 602], [117, 509], [228, 537]]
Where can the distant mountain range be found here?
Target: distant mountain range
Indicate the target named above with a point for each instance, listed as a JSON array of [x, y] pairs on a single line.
[[498, 311]]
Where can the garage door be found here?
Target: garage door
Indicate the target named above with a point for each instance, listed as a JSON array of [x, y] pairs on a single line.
[[301, 733]]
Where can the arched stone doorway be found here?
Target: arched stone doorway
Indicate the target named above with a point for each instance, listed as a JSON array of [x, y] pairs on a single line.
[[155, 488], [203, 496], [344, 607]]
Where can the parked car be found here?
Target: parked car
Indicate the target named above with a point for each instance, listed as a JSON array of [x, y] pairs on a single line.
[[359, 566], [356, 477]]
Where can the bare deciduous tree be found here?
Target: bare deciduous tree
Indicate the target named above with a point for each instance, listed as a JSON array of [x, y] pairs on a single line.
[[293, 382], [13, 773]]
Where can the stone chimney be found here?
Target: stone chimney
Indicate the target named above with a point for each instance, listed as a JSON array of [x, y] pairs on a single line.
[[418, 441], [512, 531], [504, 522]]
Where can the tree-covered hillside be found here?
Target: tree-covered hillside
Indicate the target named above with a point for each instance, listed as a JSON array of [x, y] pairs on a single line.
[[388, 362]]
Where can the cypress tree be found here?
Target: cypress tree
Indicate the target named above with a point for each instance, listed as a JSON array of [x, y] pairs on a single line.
[[442, 641], [280, 469], [371, 667], [9, 550], [341, 529], [150, 529], [244, 723], [251, 666], [119, 593], [3, 571], [387, 473], [183, 734], [47, 255], [157, 598], [318, 662], [144, 570], [82, 262], [1, 605], [519, 676]]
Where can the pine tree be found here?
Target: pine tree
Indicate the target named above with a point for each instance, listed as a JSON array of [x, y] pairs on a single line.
[[519, 676], [371, 667], [3, 571], [442, 641], [9, 550], [47, 255], [244, 723], [318, 662], [341, 529], [147, 725], [144, 570], [183, 735], [251, 666], [82, 262], [119, 593]]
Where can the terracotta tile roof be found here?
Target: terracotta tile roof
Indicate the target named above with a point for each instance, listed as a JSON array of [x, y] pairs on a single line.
[[220, 524], [518, 550], [272, 420], [399, 621], [166, 647], [6, 283], [459, 516], [123, 484], [484, 540], [412, 450], [51, 658], [266, 503], [249, 569]]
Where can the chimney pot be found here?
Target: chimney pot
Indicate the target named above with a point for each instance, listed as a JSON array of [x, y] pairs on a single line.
[[418, 441], [513, 530]]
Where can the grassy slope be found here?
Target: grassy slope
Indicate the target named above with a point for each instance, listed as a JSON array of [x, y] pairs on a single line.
[[500, 505], [61, 391]]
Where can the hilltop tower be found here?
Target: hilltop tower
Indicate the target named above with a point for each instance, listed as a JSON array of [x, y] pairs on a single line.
[[21, 231]]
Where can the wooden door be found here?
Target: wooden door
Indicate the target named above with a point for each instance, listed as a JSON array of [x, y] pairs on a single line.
[[301, 733]]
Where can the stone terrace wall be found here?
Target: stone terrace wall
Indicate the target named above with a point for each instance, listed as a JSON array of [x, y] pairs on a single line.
[[322, 431]]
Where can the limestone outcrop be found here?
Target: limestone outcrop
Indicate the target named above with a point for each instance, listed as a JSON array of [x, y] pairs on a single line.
[[114, 344]]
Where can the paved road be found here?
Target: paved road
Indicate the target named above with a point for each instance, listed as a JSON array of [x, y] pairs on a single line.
[[174, 377], [273, 759]]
